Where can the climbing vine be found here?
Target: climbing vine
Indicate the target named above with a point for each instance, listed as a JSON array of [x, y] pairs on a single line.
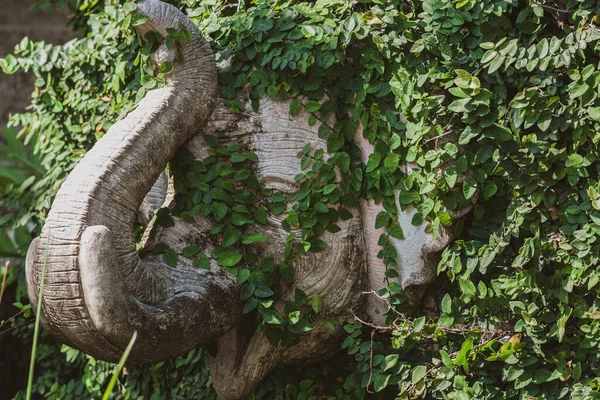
[[495, 102]]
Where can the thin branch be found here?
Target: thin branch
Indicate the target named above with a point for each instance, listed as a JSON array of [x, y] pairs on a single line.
[[370, 363], [437, 137], [370, 325], [562, 10], [11, 318], [17, 326]]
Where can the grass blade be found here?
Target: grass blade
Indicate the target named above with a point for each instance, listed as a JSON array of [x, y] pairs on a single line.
[[36, 329], [4, 280], [113, 380]]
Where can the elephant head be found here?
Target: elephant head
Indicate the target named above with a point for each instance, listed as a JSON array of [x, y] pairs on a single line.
[[98, 289]]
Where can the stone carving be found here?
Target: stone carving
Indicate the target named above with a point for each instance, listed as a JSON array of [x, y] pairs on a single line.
[[98, 290]]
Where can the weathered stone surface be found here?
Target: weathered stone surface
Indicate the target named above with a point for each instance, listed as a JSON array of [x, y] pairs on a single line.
[[15, 23], [98, 290]]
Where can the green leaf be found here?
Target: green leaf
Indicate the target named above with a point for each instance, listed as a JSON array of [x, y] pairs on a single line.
[[229, 258], [447, 304], [373, 162], [263, 291], [381, 220], [202, 261], [488, 56], [231, 236], [190, 251], [242, 276], [391, 162], [395, 231], [418, 373], [129, 7], [219, 210], [163, 218], [390, 361], [255, 238], [496, 63], [578, 90], [465, 350], [271, 317], [381, 381], [467, 287], [490, 190], [499, 132], [418, 324], [469, 187], [594, 113], [170, 257], [260, 214], [312, 106], [460, 105], [250, 305], [295, 107], [317, 303]]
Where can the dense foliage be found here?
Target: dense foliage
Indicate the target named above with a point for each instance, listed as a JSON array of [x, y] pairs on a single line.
[[495, 101]]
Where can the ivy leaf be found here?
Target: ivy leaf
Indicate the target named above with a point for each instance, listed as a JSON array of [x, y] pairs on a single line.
[[391, 162], [381, 220], [395, 231], [202, 261], [271, 317], [250, 305], [447, 304], [190, 251], [170, 257], [312, 106], [229, 258], [418, 373], [295, 107], [594, 113], [163, 218], [255, 238], [390, 361], [490, 190], [418, 324], [317, 303], [469, 188], [242, 276], [219, 210], [129, 7], [263, 291], [373, 162], [381, 382], [260, 214], [231, 236], [467, 287], [578, 90], [465, 350], [460, 105]]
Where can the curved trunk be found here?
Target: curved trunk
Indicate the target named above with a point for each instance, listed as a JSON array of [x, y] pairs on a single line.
[[97, 290]]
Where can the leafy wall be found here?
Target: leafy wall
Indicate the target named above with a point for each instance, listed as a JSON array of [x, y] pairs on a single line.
[[495, 101]]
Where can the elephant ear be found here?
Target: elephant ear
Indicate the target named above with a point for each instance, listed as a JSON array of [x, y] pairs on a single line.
[[98, 290]]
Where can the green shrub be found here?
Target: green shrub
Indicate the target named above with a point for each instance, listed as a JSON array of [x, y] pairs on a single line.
[[503, 93]]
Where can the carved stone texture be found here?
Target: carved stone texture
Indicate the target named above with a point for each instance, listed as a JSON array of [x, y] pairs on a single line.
[[98, 290]]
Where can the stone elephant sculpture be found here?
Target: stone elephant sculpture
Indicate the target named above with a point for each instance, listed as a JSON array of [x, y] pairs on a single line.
[[98, 289]]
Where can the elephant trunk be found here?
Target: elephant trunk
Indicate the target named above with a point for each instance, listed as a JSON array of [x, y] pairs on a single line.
[[97, 290]]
